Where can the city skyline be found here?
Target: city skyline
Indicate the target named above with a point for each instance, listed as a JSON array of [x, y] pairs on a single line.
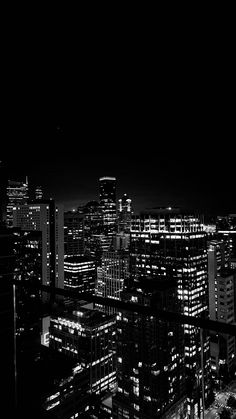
[[175, 178]]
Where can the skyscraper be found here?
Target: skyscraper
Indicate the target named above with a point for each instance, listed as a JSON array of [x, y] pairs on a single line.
[[47, 217], [74, 233], [167, 244], [112, 275], [124, 213], [150, 358], [222, 285], [17, 193], [107, 196]]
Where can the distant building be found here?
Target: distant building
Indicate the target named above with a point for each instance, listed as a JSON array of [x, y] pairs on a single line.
[[38, 192], [112, 275], [74, 233], [124, 213], [226, 230], [107, 196], [87, 336], [94, 238], [121, 241], [17, 194], [80, 273], [47, 217]]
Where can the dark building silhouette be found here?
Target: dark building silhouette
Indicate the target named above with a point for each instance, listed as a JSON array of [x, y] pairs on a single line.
[[73, 233], [46, 217], [7, 316]]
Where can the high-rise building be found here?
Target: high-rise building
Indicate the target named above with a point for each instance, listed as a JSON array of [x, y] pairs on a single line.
[[38, 192], [150, 358], [112, 275], [167, 244], [95, 240], [47, 217], [7, 317], [88, 336], [226, 230], [27, 246], [80, 273], [222, 285], [74, 233], [107, 196], [124, 213], [17, 194]]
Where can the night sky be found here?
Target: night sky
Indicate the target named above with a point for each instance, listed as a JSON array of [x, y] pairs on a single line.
[[161, 121]]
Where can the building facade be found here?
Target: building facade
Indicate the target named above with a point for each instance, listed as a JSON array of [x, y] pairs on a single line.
[[167, 244], [87, 336], [17, 194], [107, 197], [73, 233], [47, 217], [79, 273]]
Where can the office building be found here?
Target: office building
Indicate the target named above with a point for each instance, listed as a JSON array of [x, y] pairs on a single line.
[[7, 317], [74, 233], [150, 358], [79, 273], [124, 213], [222, 283], [226, 230], [17, 194], [112, 275], [87, 336], [47, 217], [27, 246], [107, 196], [168, 244]]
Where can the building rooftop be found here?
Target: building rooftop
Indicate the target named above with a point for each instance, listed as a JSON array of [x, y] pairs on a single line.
[[77, 259]]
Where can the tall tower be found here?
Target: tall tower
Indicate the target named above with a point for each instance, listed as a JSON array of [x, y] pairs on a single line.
[[167, 245], [17, 193], [124, 213], [107, 196], [74, 233], [46, 217]]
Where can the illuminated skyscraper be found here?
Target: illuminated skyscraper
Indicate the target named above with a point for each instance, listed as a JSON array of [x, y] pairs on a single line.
[[17, 193], [46, 217], [124, 213], [150, 358], [167, 244], [107, 196]]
